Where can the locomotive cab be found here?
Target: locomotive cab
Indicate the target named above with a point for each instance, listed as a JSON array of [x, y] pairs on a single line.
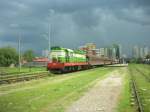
[[63, 59]]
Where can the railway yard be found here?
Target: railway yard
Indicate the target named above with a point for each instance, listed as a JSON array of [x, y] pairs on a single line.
[[12, 75], [140, 75], [103, 89]]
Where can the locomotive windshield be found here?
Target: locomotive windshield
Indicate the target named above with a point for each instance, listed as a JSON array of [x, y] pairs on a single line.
[[58, 53]]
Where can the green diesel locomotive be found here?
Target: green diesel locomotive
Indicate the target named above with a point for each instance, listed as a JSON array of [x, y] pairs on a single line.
[[67, 60]]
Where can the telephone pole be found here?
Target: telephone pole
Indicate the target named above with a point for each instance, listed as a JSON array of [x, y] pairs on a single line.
[[49, 40], [19, 49]]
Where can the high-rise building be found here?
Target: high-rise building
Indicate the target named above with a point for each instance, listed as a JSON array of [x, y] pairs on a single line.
[[120, 51], [136, 52], [146, 51], [114, 53], [117, 50], [106, 52], [141, 52], [109, 52], [97, 51], [102, 52]]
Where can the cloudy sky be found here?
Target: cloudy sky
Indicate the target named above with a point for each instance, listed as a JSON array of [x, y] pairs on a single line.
[[74, 23]]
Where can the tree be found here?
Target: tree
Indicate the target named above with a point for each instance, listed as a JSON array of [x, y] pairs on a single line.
[[28, 55], [136, 60], [148, 56], [8, 56]]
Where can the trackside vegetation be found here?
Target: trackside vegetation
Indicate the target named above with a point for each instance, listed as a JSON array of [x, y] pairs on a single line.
[[124, 103], [15, 70], [141, 74], [56, 93], [51, 94], [9, 55]]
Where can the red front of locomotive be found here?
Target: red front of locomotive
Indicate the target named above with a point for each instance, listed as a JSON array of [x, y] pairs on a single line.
[[55, 65]]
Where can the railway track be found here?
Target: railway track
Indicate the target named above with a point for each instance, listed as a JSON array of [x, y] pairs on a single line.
[[136, 94], [22, 77], [145, 76]]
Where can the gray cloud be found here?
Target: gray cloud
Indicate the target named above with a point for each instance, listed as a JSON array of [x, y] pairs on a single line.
[[74, 22]]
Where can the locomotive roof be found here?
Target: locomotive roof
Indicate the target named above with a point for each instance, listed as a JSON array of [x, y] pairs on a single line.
[[70, 50], [61, 48]]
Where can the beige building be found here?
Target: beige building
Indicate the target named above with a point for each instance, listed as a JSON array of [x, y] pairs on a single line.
[[146, 51], [102, 52], [91, 46]]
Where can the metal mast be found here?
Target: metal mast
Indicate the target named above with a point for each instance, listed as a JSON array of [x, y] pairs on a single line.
[[49, 36], [49, 40], [19, 58]]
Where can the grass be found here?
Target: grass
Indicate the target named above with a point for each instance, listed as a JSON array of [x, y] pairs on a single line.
[[143, 87], [124, 104], [142, 83], [15, 70], [52, 94]]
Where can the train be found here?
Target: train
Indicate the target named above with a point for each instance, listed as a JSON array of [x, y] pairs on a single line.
[[64, 60]]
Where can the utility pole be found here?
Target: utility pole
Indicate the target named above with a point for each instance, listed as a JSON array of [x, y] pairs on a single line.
[[49, 40], [19, 45]]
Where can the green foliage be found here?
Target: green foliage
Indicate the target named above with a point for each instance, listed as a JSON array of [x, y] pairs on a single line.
[[16, 71], [136, 60], [8, 55], [28, 55], [124, 104], [148, 56], [51, 94], [142, 83]]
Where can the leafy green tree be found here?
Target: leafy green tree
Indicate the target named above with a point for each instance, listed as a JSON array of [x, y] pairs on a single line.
[[148, 56], [29, 55], [8, 56], [136, 60]]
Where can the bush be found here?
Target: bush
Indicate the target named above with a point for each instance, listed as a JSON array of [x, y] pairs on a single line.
[[8, 56]]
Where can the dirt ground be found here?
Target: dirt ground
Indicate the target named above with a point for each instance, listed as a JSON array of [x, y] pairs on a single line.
[[102, 97]]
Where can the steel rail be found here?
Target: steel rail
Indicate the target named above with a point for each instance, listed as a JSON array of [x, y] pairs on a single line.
[[145, 76], [26, 77], [135, 90], [20, 74]]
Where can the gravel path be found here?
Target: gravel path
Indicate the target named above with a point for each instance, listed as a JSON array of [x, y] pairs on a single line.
[[102, 97]]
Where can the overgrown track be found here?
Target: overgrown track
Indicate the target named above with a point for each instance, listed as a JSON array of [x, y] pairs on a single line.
[[144, 75], [136, 95], [22, 77]]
